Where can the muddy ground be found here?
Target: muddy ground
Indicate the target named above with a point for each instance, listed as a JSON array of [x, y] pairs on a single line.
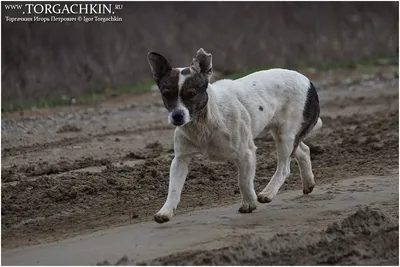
[[74, 170], [363, 238]]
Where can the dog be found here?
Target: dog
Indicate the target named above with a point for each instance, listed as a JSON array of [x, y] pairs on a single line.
[[221, 120]]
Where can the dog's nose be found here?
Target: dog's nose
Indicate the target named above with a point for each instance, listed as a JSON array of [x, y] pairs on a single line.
[[177, 116]]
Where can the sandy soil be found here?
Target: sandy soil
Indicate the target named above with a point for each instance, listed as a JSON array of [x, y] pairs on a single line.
[[366, 237], [75, 170]]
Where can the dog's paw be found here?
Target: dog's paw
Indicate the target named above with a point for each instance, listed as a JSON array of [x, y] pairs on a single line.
[[163, 217], [267, 195], [262, 198], [247, 208], [307, 189]]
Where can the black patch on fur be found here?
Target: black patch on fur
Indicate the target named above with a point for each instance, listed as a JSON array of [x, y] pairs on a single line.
[[168, 86], [186, 71], [159, 65], [310, 115], [202, 62], [261, 108], [199, 83]]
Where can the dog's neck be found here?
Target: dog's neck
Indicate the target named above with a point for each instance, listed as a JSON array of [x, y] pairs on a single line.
[[206, 121]]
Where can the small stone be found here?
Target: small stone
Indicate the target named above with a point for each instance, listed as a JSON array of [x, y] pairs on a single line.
[[377, 146], [68, 128]]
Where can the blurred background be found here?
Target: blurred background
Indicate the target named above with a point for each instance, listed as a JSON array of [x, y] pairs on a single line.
[[43, 61]]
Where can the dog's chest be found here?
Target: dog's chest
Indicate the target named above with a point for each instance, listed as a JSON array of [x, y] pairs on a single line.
[[218, 148]]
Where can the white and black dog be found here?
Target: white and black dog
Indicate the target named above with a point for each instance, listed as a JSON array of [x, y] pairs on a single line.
[[220, 121]]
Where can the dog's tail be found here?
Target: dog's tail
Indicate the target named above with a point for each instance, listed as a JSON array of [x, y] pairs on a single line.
[[314, 130]]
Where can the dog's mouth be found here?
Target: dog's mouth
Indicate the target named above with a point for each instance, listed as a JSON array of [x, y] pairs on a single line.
[[178, 123]]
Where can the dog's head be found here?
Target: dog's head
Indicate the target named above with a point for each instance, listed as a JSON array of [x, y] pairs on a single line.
[[183, 90]]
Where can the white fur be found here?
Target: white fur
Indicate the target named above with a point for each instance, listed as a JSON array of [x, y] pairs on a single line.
[[182, 79], [233, 119]]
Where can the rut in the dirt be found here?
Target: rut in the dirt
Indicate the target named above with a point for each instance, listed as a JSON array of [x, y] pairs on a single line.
[[367, 237]]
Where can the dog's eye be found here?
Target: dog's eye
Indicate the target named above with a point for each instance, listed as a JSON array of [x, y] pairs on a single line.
[[167, 92], [190, 94]]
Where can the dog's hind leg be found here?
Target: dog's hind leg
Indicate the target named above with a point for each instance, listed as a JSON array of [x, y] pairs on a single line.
[[284, 145], [314, 130], [247, 169], [302, 156]]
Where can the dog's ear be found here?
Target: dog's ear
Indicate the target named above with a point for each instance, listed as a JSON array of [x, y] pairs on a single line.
[[202, 63], [158, 64]]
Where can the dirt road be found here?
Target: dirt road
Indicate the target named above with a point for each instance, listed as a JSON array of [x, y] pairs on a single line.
[[291, 213], [75, 170]]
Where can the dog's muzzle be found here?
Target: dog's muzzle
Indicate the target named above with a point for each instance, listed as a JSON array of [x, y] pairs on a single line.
[[178, 117]]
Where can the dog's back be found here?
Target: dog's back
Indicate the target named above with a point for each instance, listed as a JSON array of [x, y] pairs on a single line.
[[270, 97]]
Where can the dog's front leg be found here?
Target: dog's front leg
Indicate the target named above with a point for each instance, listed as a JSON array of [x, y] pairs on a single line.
[[247, 169], [177, 177]]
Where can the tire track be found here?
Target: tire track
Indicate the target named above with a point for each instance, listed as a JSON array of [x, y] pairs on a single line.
[[18, 150]]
